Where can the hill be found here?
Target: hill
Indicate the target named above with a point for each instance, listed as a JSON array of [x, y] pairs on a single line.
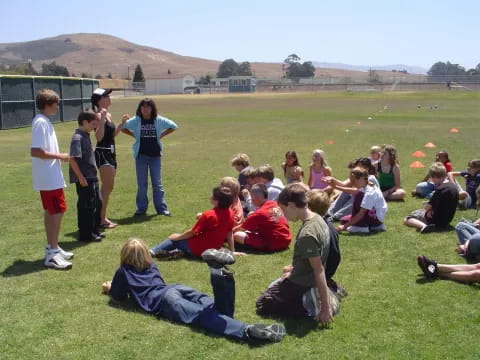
[[102, 54]]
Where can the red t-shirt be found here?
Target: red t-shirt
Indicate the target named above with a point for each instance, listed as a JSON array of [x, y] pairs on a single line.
[[448, 166], [268, 222], [210, 230]]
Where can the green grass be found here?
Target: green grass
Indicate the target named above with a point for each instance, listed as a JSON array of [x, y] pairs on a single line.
[[389, 314]]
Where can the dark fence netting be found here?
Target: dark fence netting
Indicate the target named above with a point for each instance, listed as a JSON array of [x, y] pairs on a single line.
[[17, 98]]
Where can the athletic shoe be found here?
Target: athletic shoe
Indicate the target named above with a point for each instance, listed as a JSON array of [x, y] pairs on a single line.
[[273, 333], [341, 292], [378, 228], [167, 254], [165, 213], [100, 234], [358, 229], [428, 229], [139, 213], [218, 258], [65, 254], [429, 267], [55, 260]]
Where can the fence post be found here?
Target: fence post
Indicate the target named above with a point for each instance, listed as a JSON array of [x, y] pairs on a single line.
[[61, 100], [1, 102], [34, 92]]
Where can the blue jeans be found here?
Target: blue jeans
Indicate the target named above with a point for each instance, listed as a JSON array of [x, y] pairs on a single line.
[[465, 231], [341, 207], [143, 163], [189, 306], [425, 189], [168, 245]]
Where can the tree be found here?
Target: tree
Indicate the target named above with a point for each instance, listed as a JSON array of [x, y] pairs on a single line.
[[84, 75], [294, 69], [98, 76], [109, 75], [227, 68], [138, 76], [244, 69], [205, 80], [441, 71], [373, 76], [53, 69]]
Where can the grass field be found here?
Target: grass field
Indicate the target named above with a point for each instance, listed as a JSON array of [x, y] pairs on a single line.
[[390, 313]]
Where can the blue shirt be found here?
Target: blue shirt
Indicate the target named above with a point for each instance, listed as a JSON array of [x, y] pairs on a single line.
[[146, 287], [135, 124]]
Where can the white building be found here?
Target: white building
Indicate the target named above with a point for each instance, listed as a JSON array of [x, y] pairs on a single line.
[[170, 84]]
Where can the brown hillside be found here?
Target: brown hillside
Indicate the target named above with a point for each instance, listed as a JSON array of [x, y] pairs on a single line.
[[100, 54]]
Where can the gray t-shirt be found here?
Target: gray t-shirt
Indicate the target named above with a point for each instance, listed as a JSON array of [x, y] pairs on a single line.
[[81, 149], [313, 239]]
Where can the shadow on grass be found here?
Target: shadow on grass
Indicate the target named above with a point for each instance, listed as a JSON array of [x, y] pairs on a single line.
[[131, 306], [298, 327], [134, 219], [248, 250], [23, 267]]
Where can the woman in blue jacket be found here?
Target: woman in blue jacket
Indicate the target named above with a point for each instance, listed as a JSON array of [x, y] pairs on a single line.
[[148, 128]]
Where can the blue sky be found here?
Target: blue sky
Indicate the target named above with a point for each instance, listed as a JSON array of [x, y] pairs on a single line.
[[367, 32]]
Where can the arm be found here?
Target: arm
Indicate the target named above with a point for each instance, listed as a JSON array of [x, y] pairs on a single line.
[[451, 174], [353, 220], [42, 154], [324, 316], [396, 175], [183, 236], [166, 132], [102, 119], [327, 171], [119, 128], [310, 176], [127, 132], [76, 170]]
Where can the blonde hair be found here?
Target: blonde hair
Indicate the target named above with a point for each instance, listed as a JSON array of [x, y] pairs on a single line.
[[375, 148], [135, 253], [437, 170], [318, 201], [321, 154], [232, 184], [241, 160]]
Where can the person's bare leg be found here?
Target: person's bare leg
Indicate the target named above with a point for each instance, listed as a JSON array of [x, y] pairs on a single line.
[[398, 194], [52, 228], [239, 237], [107, 175], [412, 222], [445, 269], [463, 276]]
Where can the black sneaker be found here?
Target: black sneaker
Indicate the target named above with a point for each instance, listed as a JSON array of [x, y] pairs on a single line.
[[428, 229], [429, 267], [100, 234], [167, 254], [272, 333], [218, 258], [140, 213]]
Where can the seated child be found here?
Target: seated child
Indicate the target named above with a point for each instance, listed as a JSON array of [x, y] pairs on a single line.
[[291, 168], [241, 163], [369, 206], [388, 174], [318, 170], [139, 278], [426, 188], [209, 232], [440, 210], [83, 172], [266, 228], [264, 175], [236, 206], [461, 273], [468, 198], [247, 203], [468, 234], [285, 296], [375, 154]]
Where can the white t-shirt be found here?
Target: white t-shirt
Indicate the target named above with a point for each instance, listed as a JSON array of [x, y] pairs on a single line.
[[46, 173], [373, 199]]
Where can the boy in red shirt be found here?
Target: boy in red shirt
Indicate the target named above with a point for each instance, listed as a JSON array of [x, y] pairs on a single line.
[[265, 229], [209, 232]]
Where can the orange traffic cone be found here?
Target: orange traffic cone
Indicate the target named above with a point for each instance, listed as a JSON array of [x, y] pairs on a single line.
[[417, 165], [418, 153], [454, 130], [430, 145], [330, 142]]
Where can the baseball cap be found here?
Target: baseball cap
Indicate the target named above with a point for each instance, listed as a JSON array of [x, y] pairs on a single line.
[[99, 93]]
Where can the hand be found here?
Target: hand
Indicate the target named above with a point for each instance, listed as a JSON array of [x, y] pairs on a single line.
[[125, 117], [103, 114], [287, 268], [341, 227], [83, 182], [285, 275], [238, 253], [64, 157], [106, 286], [173, 236], [245, 193], [327, 179], [324, 317]]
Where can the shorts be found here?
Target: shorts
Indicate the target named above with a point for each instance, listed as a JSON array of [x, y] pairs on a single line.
[[105, 157], [53, 201], [419, 214], [256, 241]]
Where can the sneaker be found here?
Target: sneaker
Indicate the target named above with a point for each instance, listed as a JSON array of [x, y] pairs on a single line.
[[273, 333], [55, 260], [428, 229], [414, 193], [65, 254], [218, 258], [100, 234], [378, 228], [358, 229], [165, 213], [139, 213], [429, 267], [167, 254]]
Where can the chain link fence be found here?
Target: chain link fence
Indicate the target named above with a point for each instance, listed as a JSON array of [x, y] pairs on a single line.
[[17, 98]]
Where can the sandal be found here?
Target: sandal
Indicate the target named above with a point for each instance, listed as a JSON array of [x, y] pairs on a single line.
[[108, 225]]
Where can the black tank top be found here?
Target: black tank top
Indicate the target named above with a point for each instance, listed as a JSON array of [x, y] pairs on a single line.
[[108, 136]]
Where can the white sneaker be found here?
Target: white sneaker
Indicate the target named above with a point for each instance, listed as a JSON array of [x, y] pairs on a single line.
[[65, 254], [380, 227], [55, 260], [358, 229]]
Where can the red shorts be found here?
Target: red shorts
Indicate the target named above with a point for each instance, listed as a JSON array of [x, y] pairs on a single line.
[[53, 201], [256, 241]]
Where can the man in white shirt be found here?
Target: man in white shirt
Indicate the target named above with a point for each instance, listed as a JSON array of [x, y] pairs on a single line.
[[48, 177]]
